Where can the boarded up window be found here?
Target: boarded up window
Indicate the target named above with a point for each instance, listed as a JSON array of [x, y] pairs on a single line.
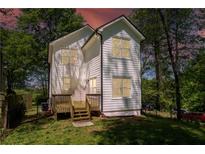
[[73, 56], [64, 56], [92, 86], [121, 47], [126, 87], [121, 87], [116, 87], [66, 83], [115, 47], [69, 56]]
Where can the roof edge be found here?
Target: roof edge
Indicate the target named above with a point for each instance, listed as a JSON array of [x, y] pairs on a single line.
[[54, 41], [87, 25], [129, 21], [97, 30]]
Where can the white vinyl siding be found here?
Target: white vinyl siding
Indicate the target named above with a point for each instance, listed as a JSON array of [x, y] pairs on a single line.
[[61, 68], [121, 67], [92, 59]]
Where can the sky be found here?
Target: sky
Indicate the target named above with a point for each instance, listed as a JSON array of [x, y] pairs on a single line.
[[97, 17], [93, 17]]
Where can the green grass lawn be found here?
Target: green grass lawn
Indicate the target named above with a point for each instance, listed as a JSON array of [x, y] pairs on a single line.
[[129, 130]]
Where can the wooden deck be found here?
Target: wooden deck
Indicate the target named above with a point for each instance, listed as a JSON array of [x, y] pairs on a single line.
[[63, 103]]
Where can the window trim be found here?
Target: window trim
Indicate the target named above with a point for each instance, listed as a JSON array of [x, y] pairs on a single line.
[[122, 38], [122, 97], [93, 78]]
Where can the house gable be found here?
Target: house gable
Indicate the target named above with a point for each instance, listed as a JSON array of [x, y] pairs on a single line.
[[58, 70], [121, 23], [81, 35], [113, 27], [121, 26], [123, 68]]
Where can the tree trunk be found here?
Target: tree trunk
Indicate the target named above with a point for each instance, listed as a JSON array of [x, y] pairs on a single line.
[[9, 83], [174, 68], [177, 84], [156, 52], [4, 113]]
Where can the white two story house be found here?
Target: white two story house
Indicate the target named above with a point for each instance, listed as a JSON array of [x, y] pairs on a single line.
[[98, 68]]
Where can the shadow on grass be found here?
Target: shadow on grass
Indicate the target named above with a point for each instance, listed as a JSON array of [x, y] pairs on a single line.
[[149, 131], [39, 132]]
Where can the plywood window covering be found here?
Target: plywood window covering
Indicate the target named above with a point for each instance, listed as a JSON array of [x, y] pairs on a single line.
[[66, 83], [73, 56], [121, 87], [121, 47], [64, 56], [93, 85], [69, 56]]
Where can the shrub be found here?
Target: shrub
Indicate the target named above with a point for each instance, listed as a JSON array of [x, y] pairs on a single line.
[[16, 110]]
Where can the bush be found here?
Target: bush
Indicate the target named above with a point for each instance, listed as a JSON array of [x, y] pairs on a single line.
[[16, 110]]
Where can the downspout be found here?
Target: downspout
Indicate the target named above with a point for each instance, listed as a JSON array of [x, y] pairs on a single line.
[[101, 52], [50, 52], [140, 43], [48, 93]]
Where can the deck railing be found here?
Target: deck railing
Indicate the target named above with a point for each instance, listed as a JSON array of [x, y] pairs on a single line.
[[93, 101], [62, 103]]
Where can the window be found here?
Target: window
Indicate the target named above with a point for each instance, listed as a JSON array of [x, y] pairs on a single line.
[[120, 47], [64, 56], [121, 87], [66, 83], [73, 56], [69, 56], [92, 86]]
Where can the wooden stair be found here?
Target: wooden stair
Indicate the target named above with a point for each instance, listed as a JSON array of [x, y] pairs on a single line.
[[81, 114]]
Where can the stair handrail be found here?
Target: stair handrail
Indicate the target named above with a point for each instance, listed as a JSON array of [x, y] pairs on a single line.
[[88, 107], [71, 107], [95, 95]]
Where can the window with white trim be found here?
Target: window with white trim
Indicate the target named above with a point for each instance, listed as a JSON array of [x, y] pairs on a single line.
[[121, 47], [92, 86], [121, 87]]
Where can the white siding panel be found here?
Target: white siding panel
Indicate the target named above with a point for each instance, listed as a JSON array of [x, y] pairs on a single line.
[[120, 67], [58, 70], [122, 113], [93, 60]]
